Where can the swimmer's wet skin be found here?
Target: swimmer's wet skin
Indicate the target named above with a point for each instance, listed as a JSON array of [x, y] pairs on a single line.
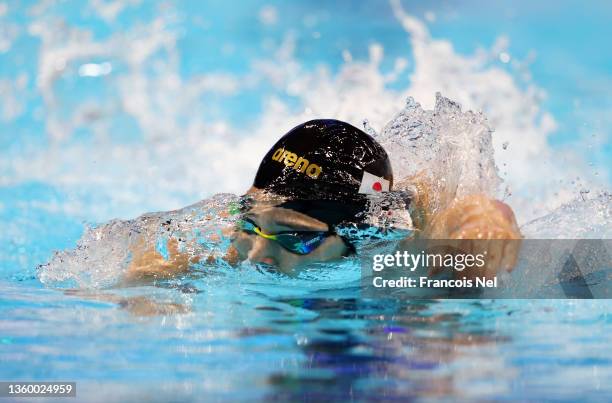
[[315, 178]]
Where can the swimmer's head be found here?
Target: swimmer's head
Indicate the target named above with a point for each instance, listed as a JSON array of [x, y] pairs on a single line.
[[323, 171], [327, 161], [286, 239]]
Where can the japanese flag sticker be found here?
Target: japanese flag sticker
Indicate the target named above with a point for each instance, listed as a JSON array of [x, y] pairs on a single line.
[[371, 184]]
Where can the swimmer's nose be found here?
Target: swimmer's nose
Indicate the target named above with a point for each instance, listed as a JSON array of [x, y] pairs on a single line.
[[260, 252]]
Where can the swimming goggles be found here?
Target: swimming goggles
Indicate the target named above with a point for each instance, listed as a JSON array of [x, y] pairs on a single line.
[[298, 242]]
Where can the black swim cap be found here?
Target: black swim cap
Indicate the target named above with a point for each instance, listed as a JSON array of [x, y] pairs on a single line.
[[326, 161]]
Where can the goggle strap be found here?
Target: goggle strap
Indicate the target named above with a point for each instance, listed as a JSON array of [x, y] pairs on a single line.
[[263, 234]]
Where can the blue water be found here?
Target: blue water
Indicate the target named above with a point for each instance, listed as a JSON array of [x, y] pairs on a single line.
[[249, 335], [243, 339]]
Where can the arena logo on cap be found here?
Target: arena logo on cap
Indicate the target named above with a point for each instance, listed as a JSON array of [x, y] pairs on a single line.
[[372, 184], [298, 163]]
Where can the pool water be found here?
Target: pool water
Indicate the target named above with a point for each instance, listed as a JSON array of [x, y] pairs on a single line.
[[113, 109], [255, 337], [247, 333]]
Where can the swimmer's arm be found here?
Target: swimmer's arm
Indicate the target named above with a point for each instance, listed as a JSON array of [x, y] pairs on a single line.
[[148, 264], [425, 198], [474, 218], [483, 226], [136, 305]]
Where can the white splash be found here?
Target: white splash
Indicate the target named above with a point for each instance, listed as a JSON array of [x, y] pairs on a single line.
[[108, 10], [268, 15], [178, 156], [579, 219], [103, 253], [451, 147], [95, 69]]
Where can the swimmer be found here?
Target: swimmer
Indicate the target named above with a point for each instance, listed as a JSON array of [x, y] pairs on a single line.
[[319, 176]]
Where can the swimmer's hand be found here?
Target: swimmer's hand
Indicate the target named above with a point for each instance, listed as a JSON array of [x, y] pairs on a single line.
[[148, 264], [474, 220]]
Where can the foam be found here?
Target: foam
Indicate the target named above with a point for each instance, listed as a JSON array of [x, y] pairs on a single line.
[[179, 157], [104, 252]]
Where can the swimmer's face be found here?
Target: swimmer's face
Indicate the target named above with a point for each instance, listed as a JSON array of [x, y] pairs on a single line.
[[272, 220]]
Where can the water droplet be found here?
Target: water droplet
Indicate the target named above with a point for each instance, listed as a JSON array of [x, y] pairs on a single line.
[[504, 57], [505, 145], [369, 129], [584, 192], [411, 103], [507, 192], [346, 56], [95, 69]]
